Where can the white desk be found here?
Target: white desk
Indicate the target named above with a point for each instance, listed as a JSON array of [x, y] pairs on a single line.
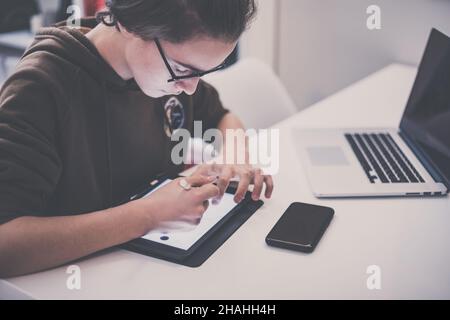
[[408, 238]]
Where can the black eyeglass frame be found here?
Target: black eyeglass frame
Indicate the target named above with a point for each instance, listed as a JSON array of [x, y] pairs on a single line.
[[190, 76]]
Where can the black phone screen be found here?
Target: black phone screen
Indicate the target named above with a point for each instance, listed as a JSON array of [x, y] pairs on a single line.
[[300, 227]]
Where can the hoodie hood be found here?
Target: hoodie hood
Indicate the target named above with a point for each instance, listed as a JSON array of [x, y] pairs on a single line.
[[72, 45], [77, 53]]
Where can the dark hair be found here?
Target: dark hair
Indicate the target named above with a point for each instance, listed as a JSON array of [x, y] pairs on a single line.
[[179, 20]]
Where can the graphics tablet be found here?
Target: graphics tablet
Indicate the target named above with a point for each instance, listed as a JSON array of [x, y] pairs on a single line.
[[177, 240]]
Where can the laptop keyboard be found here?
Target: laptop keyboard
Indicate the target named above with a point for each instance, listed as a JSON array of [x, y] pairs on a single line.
[[382, 159]]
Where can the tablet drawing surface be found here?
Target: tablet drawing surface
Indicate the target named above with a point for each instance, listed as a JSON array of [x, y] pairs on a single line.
[[182, 235]]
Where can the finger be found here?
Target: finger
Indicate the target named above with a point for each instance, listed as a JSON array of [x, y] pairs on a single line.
[[199, 180], [203, 169], [224, 180], [193, 219], [207, 191], [258, 184], [269, 186], [193, 222], [206, 204], [199, 212], [216, 169], [244, 182], [201, 209]]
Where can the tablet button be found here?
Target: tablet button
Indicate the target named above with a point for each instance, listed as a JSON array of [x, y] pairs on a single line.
[[164, 238]]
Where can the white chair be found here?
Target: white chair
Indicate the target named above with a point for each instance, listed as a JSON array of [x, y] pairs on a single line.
[[252, 91]]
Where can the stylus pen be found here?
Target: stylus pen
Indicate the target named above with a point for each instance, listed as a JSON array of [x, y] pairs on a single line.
[[153, 183]]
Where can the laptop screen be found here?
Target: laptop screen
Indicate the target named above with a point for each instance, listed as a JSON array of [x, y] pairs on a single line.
[[426, 120]]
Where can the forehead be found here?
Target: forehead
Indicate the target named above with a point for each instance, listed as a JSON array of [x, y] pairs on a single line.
[[201, 53]]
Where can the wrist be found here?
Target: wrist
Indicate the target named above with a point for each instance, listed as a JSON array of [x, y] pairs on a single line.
[[142, 212]]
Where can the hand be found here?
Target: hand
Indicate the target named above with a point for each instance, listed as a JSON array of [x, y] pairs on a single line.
[[171, 202], [247, 175]]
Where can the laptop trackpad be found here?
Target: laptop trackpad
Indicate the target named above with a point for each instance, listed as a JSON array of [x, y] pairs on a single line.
[[327, 156]]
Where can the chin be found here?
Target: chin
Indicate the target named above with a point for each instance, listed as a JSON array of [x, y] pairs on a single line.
[[153, 94]]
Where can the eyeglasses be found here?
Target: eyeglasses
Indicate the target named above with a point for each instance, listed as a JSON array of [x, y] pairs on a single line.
[[193, 74]]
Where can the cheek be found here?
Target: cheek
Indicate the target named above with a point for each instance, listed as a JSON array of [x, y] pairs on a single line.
[[144, 77], [145, 72], [142, 70]]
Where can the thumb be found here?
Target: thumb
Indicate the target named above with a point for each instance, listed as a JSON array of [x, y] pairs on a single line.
[[199, 180], [208, 191]]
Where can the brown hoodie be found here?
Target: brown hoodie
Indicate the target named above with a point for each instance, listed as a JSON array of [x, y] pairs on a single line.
[[75, 137]]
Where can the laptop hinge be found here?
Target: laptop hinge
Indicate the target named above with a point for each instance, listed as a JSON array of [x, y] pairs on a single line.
[[422, 157]]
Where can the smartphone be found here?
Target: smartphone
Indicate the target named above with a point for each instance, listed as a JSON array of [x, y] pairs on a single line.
[[300, 227]]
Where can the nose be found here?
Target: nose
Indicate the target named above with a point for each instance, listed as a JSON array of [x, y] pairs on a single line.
[[188, 85]]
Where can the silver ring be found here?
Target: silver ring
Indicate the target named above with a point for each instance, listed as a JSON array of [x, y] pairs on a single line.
[[184, 184]]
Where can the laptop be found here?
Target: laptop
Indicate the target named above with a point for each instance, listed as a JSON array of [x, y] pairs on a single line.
[[413, 160]]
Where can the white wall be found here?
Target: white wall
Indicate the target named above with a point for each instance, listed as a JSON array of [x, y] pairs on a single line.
[[322, 46], [261, 39]]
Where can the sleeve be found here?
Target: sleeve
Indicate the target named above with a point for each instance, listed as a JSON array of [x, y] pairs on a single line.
[[207, 106], [29, 163]]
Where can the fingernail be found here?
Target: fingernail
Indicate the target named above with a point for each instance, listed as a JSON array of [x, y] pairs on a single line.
[[216, 200]]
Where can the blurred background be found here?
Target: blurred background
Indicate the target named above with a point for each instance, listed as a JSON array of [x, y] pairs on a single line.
[[316, 47]]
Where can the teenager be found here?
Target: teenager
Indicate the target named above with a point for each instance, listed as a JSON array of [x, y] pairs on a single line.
[[87, 118]]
